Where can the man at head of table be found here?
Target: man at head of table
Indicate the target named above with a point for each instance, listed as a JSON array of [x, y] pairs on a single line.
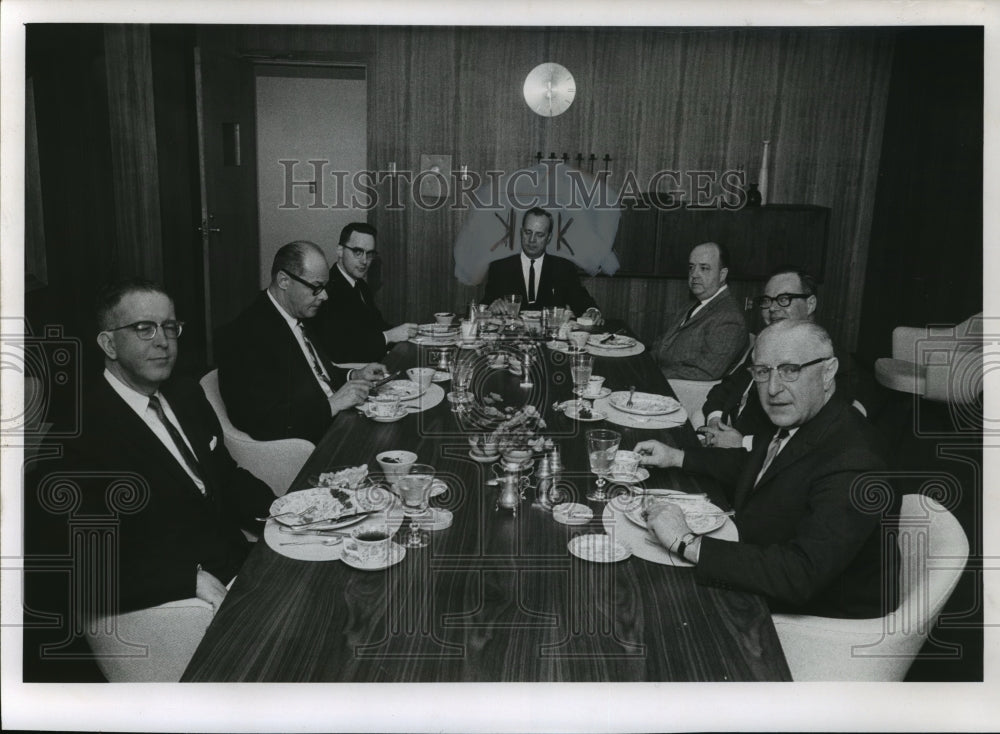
[[274, 376], [349, 323], [540, 278], [704, 340], [811, 541]]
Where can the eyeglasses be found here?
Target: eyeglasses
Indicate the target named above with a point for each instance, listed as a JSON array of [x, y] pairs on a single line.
[[316, 288], [147, 329], [531, 235], [786, 372], [360, 252], [782, 299]]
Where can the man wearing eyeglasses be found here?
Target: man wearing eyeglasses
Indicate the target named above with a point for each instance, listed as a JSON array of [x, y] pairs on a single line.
[[810, 523], [349, 323], [162, 439], [704, 340], [733, 414], [274, 376], [541, 279]]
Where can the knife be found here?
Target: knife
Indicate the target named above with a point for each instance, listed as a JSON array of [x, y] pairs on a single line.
[[358, 515], [384, 380]]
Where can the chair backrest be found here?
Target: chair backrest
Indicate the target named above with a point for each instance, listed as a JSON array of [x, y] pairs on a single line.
[[692, 394], [933, 552], [743, 355], [276, 463], [149, 645]]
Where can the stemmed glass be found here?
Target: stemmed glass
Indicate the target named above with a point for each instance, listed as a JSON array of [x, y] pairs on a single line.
[[512, 305], [581, 368], [601, 448], [414, 488], [461, 376]]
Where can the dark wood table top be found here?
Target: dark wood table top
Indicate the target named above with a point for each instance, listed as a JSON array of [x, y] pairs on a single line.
[[495, 597]]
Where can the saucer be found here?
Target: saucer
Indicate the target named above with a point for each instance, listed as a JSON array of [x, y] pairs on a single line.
[[396, 554], [573, 411], [605, 391], [391, 418], [483, 458], [599, 548], [639, 475], [572, 513], [441, 376]]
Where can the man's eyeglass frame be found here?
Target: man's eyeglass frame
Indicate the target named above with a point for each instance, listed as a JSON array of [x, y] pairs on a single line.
[[787, 372], [316, 289], [783, 299], [141, 327], [360, 252]]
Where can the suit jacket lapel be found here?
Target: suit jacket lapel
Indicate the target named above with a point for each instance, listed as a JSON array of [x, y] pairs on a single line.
[[802, 443]]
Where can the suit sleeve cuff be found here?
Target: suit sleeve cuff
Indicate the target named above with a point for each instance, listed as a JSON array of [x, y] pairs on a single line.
[[713, 415], [748, 443]]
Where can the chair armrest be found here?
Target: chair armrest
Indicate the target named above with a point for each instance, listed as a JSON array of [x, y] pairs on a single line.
[[905, 340]]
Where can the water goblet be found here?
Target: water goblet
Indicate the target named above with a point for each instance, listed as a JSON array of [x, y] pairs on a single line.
[[414, 489], [581, 366], [461, 377], [602, 445], [512, 305]]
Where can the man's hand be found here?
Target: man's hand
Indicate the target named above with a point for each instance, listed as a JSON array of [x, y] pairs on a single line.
[[654, 453], [353, 392], [714, 422], [400, 333], [370, 372], [210, 589], [723, 436], [666, 520]]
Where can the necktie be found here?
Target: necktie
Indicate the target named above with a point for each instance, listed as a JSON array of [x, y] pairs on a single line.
[[177, 438], [772, 451], [317, 363], [359, 286], [531, 282], [690, 313]]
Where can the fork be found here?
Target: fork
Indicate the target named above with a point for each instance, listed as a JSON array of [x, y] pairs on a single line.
[[320, 541], [282, 514], [631, 392]]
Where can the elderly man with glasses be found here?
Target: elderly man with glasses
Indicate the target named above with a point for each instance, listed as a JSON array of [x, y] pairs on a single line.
[[811, 503], [157, 440], [274, 376], [350, 325]]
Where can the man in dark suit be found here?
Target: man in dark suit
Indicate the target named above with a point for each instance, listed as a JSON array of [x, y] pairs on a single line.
[[811, 532], [161, 436], [350, 326], [733, 413], [705, 340], [274, 377], [541, 279]]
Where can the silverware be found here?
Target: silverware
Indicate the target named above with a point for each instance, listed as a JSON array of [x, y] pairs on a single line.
[[307, 531], [384, 380], [674, 495], [282, 514], [358, 515], [318, 541], [609, 337], [631, 392]]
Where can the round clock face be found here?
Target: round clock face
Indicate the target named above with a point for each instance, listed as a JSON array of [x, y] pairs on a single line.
[[549, 89]]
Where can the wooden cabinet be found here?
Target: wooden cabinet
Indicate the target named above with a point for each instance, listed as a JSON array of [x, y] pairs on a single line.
[[655, 242]]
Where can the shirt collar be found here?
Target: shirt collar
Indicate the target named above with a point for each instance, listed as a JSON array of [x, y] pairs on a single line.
[[289, 319], [343, 272], [525, 260], [132, 397], [712, 298]]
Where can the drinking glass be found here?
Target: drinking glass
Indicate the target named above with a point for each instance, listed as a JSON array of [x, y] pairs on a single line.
[[512, 303], [601, 448], [581, 366], [414, 488], [461, 376]]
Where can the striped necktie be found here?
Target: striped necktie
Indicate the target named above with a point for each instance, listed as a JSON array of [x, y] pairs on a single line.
[[177, 438], [317, 363], [772, 451]]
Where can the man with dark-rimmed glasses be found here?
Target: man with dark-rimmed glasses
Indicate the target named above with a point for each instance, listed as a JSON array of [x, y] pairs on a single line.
[[810, 524], [349, 322], [274, 375]]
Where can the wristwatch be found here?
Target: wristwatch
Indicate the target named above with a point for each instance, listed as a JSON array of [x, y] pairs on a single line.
[[685, 541]]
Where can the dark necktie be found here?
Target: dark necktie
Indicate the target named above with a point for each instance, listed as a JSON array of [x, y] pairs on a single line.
[[531, 282], [690, 313], [359, 286], [772, 451], [177, 438], [317, 363]]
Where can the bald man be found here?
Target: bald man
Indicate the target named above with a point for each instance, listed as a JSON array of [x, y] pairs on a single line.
[[274, 376], [811, 538]]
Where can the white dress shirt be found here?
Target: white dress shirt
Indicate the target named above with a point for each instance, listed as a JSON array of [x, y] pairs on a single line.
[[702, 304], [140, 404], [293, 324]]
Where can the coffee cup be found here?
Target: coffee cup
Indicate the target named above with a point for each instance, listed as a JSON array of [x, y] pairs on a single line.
[[594, 386], [423, 376], [626, 462], [385, 406], [444, 317], [369, 544], [395, 463], [468, 328], [579, 339]]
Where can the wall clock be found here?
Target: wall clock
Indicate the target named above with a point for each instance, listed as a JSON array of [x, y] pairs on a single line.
[[549, 89]]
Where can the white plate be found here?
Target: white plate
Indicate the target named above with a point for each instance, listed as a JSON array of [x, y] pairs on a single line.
[[702, 517], [639, 475], [619, 341], [326, 505], [605, 391], [405, 389], [531, 315], [572, 513], [644, 403], [572, 411], [441, 376], [598, 548], [396, 554]]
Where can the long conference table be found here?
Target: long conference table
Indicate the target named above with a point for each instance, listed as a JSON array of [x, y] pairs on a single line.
[[496, 596]]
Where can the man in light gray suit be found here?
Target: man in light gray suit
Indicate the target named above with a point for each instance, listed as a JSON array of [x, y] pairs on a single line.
[[706, 339]]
